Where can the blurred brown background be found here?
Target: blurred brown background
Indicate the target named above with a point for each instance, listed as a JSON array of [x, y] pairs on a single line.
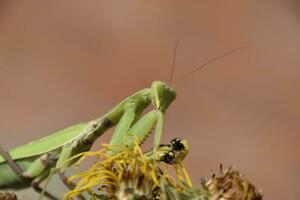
[[62, 62]]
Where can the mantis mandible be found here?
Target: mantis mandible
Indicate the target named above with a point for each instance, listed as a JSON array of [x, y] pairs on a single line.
[[30, 164]]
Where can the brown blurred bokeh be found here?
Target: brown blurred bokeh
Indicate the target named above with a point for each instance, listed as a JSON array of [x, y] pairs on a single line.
[[62, 62]]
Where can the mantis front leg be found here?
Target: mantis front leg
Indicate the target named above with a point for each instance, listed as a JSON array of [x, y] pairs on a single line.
[[141, 129], [124, 124]]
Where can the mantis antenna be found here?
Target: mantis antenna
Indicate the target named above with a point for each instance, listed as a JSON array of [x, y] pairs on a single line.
[[173, 62], [211, 61]]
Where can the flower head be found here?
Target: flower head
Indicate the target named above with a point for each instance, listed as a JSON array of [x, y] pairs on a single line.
[[120, 172]]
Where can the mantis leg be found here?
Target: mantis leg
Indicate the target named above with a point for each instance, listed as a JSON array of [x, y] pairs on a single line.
[[142, 128], [64, 178], [158, 130], [37, 171], [35, 184], [126, 121], [12, 164], [61, 165]]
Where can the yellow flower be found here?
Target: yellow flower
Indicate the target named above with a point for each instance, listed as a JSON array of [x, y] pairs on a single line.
[[119, 172], [122, 173]]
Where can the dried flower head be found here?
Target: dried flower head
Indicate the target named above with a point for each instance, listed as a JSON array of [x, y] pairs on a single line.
[[8, 196], [229, 184]]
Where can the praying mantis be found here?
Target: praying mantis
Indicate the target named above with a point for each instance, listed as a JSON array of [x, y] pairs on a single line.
[[30, 164], [36, 159]]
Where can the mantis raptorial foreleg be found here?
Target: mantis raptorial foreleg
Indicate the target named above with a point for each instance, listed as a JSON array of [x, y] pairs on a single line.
[[139, 130], [153, 119], [124, 123]]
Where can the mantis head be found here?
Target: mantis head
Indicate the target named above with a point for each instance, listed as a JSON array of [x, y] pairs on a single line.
[[162, 95]]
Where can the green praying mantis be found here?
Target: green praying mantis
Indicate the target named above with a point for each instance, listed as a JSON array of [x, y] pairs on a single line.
[[30, 164], [37, 158]]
